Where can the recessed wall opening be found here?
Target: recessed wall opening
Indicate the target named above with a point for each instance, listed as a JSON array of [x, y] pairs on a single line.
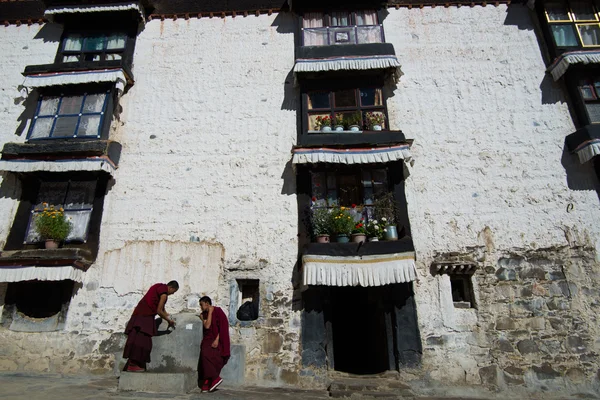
[[248, 298], [39, 299], [462, 291]]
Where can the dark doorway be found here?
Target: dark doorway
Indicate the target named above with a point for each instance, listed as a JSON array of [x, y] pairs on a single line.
[[358, 319]]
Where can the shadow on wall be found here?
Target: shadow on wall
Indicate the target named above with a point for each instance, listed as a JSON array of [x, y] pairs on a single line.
[[291, 94], [30, 104], [285, 22], [50, 33], [10, 188], [289, 180], [519, 15], [579, 176]]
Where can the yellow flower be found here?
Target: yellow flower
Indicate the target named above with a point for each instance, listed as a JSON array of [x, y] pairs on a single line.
[[53, 216], [61, 209]]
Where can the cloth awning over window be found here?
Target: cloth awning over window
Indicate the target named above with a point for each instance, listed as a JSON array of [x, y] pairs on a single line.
[[348, 63], [41, 273], [588, 150], [116, 75], [562, 63], [351, 156], [373, 270], [87, 164], [52, 11]]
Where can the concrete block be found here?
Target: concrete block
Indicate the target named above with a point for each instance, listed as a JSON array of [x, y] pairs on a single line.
[[177, 350], [233, 372], [181, 382]]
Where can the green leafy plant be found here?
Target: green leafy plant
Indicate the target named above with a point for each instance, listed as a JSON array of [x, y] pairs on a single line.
[[52, 224], [320, 221], [338, 119], [375, 229], [342, 221], [353, 119]]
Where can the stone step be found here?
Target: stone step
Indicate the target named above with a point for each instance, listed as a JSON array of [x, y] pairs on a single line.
[[157, 382], [366, 394], [368, 384]]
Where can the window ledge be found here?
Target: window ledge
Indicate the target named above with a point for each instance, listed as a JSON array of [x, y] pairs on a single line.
[[349, 138], [80, 66], [46, 149], [365, 49], [78, 258], [356, 249]]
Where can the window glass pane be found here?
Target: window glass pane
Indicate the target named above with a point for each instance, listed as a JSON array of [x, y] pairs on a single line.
[[116, 41], [73, 43], [113, 56], [80, 195], [319, 190], [345, 98], [315, 36], [89, 125], [368, 34], [52, 193], [557, 11], [349, 191], [593, 110], [318, 100], [564, 35], [71, 59], [380, 182], [342, 36], [332, 199], [65, 126], [370, 97], [48, 106], [32, 235], [92, 57], [590, 34], [367, 187], [366, 17], [70, 105], [94, 43], [312, 121], [341, 18], [312, 20], [94, 103], [587, 92], [583, 10], [80, 221], [41, 128], [597, 86]]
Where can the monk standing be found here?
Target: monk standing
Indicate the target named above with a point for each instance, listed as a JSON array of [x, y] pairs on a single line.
[[214, 350], [141, 326]]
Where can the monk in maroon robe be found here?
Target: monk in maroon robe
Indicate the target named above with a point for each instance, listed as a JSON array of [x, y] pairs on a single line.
[[141, 326], [215, 349]]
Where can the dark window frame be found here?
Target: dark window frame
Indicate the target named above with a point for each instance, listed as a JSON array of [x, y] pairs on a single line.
[[463, 283], [327, 23], [84, 54], [88, 89], [343, 84]]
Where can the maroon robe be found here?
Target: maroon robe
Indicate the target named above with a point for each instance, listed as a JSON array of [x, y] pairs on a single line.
[[141, 326], [212, 360]]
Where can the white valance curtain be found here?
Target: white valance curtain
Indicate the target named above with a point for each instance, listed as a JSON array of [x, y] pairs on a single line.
[[58, 10], [41, 273], [116, 75], [88, 164], [562, 63], [351, 156], [588, 150]]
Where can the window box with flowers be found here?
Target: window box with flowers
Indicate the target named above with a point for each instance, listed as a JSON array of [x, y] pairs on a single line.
[[359, 233], [51, 225]]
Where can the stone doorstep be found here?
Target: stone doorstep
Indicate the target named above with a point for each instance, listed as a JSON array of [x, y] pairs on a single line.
[[175, 383], [369, 394]]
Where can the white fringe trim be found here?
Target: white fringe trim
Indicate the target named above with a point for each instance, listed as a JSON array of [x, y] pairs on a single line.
[[567, 59], [52, 11], [28, 273], [588, 152], [363, 271], [348, 157], [56, 166], [350, 63], [77, 77]]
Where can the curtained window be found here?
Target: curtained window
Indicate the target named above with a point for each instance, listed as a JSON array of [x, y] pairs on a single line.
[[589, 90], [573, 23], [79, 47], [341, 27]]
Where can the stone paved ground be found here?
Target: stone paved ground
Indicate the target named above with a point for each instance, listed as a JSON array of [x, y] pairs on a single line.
[[17, 386]]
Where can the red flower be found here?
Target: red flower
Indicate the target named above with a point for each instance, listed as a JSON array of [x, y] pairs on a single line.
[[314, 198], [353, 205]]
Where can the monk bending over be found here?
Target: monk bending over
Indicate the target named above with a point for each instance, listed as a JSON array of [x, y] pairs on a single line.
[[141, 326], [214, 350]]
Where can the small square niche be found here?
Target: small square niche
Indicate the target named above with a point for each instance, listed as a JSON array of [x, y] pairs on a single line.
[[248, 299], [462, 291]]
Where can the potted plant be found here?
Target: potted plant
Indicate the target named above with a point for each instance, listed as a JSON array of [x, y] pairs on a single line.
[[353, 122], [323, 123], [375, 120], [52, 225], [320, 222], [385, 211], [342, 224], [359, 233], [374, 230], [338, 122]]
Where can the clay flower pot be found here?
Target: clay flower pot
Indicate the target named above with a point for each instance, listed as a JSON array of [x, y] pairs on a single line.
[[359, 237], [51, 244], [323, 239]]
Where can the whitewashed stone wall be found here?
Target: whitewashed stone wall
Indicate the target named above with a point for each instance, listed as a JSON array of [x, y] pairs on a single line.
[[207, 131]]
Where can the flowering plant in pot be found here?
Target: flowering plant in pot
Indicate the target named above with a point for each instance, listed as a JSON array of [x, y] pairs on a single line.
[[338, 122], [320, 224], [375, 230], [375, 120], [323, 123], [385, 211], [52, 225], [353, 122], [359, 233], [342, 223]]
